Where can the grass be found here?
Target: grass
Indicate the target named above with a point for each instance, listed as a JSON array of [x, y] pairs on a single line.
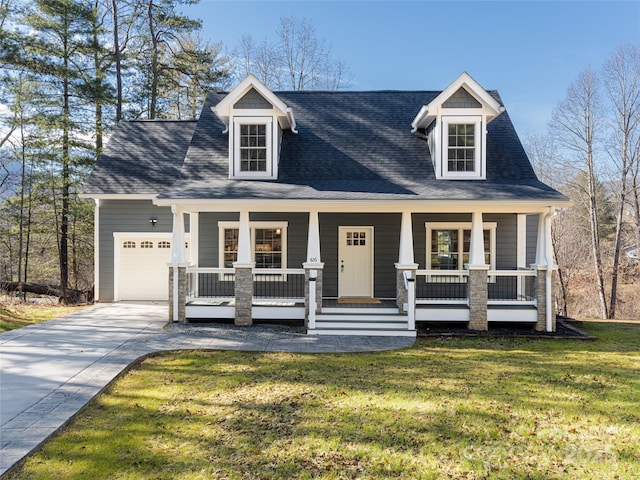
[[21, 315], [444, 408]]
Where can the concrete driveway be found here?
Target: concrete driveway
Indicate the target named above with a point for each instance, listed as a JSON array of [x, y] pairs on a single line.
[[49, 371]]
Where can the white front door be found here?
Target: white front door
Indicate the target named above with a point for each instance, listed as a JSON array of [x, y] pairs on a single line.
[[355, 262]]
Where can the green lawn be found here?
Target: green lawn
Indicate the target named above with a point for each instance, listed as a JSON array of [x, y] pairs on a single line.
[[21, 315], [445, 408]]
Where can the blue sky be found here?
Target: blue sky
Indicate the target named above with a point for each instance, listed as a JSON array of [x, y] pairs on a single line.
[[527, 50]]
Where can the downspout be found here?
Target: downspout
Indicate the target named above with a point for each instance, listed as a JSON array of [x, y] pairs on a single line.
[[553, 211]]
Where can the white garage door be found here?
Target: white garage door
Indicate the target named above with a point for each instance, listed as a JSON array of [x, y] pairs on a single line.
[[141, 271]]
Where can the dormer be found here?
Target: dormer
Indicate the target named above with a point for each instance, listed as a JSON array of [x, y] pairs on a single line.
[[255, 118], [455, 123]]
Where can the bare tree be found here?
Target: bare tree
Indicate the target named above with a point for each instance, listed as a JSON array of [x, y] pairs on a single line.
[[544, 155], [297, 60], [621, 75], [576, 123]]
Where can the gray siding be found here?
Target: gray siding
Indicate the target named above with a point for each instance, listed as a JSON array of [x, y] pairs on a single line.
[[532, 238], [506, 240], [506, 236], [253, 100], [461, 99], [386, 231], [125, 216], [296, 235]]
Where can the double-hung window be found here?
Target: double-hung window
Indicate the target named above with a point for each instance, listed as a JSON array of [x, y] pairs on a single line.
[[252, 147], [268, 244], [448, 245], [462, 146]]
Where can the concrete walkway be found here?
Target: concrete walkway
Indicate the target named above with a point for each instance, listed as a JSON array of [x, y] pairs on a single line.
[[49, 371]]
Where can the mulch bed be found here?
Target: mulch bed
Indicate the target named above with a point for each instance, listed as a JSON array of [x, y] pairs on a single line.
[[563, 330]]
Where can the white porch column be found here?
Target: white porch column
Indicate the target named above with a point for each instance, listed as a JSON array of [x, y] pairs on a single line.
[[521, 250], [243, 291], [178, 264], [313, 271], [177, 244], [405, 255], [406, 263], [194, 244], [545, 266], [96, 252], [244, 240], [476, 249], [478, 298], [313, 239]]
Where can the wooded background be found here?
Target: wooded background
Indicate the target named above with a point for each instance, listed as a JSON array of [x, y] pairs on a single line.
[[71, 69]]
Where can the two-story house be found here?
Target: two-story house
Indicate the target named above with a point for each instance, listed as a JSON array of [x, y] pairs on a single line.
[[355, 212]]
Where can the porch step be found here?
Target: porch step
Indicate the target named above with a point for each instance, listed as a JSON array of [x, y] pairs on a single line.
[[361, 321]]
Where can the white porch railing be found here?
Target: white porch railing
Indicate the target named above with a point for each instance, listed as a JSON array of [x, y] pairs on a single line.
[[218, 284], [444, 287], [213, 284], [512, 287], [450, 287], [410, 285]]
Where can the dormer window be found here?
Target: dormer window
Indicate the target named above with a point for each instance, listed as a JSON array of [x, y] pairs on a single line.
[[455, 125], [463, 142], [253, 147], [255, 119]]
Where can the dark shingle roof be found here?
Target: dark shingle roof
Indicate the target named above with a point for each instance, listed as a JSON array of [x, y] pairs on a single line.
[[141, 157], [355, 145], [350, 145]]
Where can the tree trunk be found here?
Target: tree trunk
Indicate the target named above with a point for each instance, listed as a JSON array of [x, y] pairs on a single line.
[[563, 286], [64, 214], [117, 55], [67, 295], [153, 94], [616, 249]]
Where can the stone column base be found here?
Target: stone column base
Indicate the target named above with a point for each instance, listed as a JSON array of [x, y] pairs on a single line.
[[182, 292], [478, 299], [244, 296]]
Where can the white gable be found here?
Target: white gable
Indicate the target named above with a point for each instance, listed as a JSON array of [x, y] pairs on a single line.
[[224, 109], [446, 99]]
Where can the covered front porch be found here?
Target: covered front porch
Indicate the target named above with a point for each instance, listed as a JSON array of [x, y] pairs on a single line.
[[476, 292]]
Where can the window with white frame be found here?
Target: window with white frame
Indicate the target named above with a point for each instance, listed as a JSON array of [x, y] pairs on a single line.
[[252, 147], [462, 146], [268, 244], [448, 245]]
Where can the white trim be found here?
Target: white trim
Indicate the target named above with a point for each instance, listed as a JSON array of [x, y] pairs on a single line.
[[223, 225], [489, 104], [96, 251], [119, 196], [460, 226], [118, 237], [234, 147], [371, 247], [194, 229], [224, 109], [258, 205], [480, 169]]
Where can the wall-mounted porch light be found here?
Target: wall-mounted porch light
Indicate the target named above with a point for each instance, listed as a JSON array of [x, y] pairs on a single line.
[[153, 221]]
